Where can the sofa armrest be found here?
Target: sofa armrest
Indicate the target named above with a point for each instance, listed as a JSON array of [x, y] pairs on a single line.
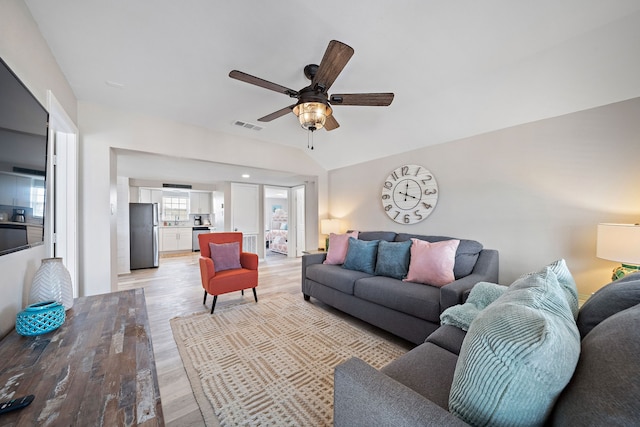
[[364, 396], [249, 260], [311, 259], [485, 270]]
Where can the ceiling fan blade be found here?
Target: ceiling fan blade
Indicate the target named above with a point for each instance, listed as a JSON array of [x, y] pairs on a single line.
[[369, 99], [331, 123], [335, 58], [277, 114], [248, 78]]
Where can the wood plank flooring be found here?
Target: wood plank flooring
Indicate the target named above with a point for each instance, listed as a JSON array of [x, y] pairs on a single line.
[[174, 289]]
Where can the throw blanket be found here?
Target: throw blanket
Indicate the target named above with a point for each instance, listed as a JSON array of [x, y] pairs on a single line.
[[481, 295]]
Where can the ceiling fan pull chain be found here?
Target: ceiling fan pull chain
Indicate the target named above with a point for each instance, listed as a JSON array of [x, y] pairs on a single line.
[[310, 140]]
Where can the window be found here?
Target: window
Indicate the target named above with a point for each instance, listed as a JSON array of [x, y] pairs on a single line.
[[175, 206], [37, 198]]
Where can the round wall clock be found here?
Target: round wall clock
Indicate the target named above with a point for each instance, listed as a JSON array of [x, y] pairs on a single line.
[[409, 194]]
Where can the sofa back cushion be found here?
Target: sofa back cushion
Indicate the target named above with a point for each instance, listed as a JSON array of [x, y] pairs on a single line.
[[605, 387], [609, 300], [466, 254], [519, 354], [388, 236]]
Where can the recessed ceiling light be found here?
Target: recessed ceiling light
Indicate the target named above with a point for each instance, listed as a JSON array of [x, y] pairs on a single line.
[[246, 175]]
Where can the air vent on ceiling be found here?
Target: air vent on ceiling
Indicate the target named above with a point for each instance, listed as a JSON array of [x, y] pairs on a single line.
[[184, 186], [247, 125]]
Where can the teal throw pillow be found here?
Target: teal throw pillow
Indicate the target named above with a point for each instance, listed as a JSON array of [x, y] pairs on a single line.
[[361, 255], [519, 354], [565, 279], [393, 259]]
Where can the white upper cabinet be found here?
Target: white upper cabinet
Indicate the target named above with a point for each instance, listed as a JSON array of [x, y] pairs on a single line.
[[200, 202]]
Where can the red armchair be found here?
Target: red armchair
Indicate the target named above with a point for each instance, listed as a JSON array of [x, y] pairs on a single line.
[[221, 282]]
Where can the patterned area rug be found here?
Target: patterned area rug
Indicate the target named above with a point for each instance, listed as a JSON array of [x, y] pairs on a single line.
[[271, 363]]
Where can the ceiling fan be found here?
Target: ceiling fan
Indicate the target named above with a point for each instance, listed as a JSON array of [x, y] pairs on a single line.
[[314, 103]]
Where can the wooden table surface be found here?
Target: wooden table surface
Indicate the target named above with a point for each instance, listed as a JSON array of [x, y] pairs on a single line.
[[97, 369]]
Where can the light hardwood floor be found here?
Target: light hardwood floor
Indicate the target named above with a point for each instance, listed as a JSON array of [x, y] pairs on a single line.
[[174, 289]]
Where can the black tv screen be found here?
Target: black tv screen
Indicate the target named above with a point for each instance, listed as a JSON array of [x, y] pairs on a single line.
[[23, 164]]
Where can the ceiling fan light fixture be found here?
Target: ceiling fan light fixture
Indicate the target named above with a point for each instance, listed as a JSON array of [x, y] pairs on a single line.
[[312, 115]]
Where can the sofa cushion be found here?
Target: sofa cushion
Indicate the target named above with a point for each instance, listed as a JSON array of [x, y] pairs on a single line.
[[605, 387], [427, 369], [466, 254], [338, 245], [388, 236], [225, 256], [361, 255], [504, 375], [393, 259], [609, 300], [414, 299], [334, 276], [432, 263]]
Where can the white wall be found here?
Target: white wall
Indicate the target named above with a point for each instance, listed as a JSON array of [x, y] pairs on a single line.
[[535, 192], [27, 54], [103, 130]]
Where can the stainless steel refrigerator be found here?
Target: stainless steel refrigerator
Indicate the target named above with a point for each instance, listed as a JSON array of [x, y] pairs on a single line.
[[143, 235]]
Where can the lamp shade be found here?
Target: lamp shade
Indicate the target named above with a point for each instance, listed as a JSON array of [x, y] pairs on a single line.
[[328, 226], [619, 242]]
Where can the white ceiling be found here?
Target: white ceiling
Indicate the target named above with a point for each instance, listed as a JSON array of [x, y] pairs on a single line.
[[457, 67]]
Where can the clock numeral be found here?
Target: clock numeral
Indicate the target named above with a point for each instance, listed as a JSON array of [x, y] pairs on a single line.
[[396, 215], [430, 191], [386, 197], [417, 214], [406, 219], [388, 185], [427, 179], [418, 170], [388, 208], [394, 175], [426, 205], [405, 170]]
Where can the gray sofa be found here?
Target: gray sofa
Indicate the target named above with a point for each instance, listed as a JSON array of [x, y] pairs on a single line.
[[408, 310], [414, 390]]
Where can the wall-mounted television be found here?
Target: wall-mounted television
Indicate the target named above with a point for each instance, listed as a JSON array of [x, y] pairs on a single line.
[[23, 164]]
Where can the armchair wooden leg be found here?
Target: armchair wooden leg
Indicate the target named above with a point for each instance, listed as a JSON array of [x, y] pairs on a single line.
[[213, 304], [204, 301], [254, 294]]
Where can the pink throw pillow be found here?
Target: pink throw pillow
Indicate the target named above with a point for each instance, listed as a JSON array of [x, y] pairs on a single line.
[[432, 263], [225, 256], [338, 245]]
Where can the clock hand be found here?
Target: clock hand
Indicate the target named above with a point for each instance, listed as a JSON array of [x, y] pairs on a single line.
[[406, 191]]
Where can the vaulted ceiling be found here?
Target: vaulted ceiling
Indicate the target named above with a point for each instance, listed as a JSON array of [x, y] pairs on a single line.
[[457, 68]]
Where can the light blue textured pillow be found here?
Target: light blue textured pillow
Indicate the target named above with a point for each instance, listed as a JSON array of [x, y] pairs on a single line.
[[565, 279], [519, 353], [361, 255], [393, 259]]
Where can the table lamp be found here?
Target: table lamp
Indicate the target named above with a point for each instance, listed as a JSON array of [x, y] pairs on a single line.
[[621, 243], [328, 226]]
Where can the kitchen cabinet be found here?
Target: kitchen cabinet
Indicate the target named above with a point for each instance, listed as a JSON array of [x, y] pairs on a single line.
[[15, 190], [175, 239], [150, 195], [200, 202]]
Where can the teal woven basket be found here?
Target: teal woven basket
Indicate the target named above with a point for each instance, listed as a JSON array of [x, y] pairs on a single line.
[[40, 318]]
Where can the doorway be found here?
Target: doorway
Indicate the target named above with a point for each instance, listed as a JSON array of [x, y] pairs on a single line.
[[276, 221]]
